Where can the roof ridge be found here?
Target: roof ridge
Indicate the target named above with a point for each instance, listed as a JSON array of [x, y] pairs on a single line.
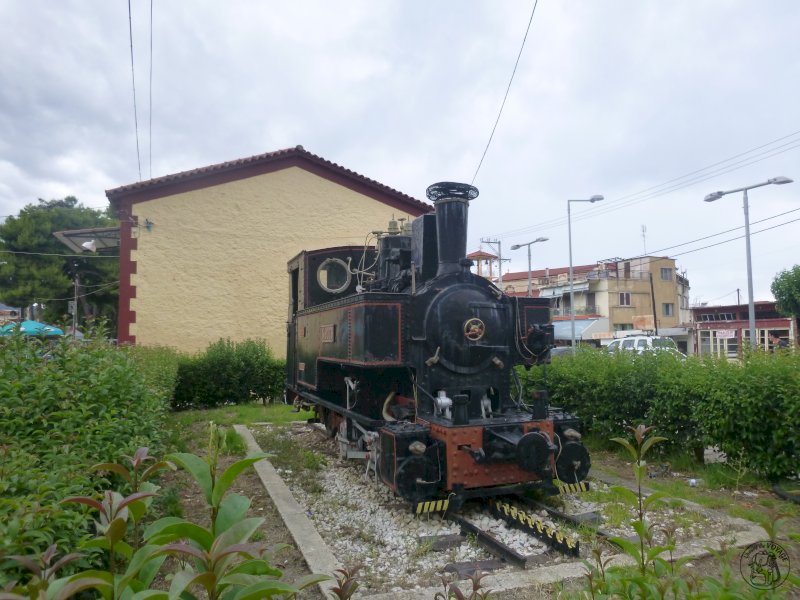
[[297, 151]]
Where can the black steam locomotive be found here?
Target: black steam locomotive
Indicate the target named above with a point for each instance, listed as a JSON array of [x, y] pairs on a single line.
[[408, 359]]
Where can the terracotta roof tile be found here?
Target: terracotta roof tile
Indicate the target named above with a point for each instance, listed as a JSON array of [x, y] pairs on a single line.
[[298, 152], [480, 254]]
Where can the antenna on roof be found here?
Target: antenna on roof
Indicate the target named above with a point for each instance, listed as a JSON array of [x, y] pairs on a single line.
[[644, 239]]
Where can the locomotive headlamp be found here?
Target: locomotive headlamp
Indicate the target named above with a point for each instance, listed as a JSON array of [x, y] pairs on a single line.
[[417, 448]]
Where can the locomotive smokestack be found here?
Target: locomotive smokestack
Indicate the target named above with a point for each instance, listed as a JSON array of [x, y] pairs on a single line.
[[452, 205]]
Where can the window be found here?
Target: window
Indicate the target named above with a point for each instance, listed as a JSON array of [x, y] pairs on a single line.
[[628, 344], [666, 274], [333, 275], [623, 326], [624, 298], [667, 309]]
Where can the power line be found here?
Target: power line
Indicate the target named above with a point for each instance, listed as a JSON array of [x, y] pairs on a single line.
[[61, 255], [133, 81], [674, 184], [733, 239], [97, 291], [726, 231], [485, 150], [737, 238]]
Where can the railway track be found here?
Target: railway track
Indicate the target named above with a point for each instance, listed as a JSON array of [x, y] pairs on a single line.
[[519, 513]]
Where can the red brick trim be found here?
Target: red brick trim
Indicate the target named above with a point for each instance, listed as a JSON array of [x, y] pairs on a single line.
[[127, 267]]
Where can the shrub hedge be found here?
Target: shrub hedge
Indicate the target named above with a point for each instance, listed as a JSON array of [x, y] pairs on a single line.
[[229, 373], [62, 409], [750, 408]]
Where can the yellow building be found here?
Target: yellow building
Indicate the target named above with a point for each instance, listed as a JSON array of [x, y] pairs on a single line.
[[203, 253], [638, 294]]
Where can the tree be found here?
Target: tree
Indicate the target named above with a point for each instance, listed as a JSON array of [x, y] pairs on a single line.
[[786, 289], [38, 269]]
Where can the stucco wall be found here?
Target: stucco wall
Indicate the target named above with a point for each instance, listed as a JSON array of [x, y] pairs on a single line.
[[213, 264]]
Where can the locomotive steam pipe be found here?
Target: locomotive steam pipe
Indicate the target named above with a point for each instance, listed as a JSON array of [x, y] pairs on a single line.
[[452, 206]]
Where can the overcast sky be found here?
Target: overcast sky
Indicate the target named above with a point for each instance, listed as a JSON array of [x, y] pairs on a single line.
[[653, 104]]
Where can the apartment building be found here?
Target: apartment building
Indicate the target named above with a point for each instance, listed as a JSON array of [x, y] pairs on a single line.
[[613, 297]]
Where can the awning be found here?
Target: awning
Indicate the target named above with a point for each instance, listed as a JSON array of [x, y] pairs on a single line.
[[102, 238], [584, 328], [559, 290]]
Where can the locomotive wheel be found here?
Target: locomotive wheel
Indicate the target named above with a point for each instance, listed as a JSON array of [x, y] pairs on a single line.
[[573, 463], [331, 420]]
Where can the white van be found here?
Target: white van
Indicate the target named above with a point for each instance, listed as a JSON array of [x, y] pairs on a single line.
[[644, 343]]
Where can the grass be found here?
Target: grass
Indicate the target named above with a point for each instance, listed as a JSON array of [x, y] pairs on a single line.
[[423, 548], [242, 414], [187, 430], [234, 443], [287, 455]]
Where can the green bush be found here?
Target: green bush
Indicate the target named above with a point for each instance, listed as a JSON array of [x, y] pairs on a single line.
[[228, 373], [748, 409], [608, 391], [753, 411], [158, 365], [62, 409]]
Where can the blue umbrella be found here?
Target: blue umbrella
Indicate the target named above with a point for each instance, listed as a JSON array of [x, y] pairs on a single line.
[[33, 328]]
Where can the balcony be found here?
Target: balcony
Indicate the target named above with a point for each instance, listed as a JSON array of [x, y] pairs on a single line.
[[580, 310], [563, 280]]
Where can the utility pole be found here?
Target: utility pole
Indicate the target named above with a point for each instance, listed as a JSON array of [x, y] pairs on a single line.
[[75, 305], [499, 245]]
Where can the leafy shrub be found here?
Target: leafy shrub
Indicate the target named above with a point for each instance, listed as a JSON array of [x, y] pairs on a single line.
[[752, 410], [228, 373], [222, 560], [61, 409], [159, 367], [608, 391], [749, 409]]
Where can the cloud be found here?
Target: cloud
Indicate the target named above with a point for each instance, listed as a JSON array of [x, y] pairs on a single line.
[[609, 97]]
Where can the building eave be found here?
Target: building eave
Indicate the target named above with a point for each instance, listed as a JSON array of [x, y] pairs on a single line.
[[252, 166]]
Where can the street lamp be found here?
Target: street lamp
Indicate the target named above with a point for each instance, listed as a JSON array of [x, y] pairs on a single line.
[[716, 196], [518, 246], [593, 199]]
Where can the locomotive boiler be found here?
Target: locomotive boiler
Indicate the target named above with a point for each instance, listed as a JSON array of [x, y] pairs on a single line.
[[408, 359]]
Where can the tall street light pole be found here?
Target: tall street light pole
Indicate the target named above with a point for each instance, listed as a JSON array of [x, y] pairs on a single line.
[[593, 199], [750, 303], [518, 246]]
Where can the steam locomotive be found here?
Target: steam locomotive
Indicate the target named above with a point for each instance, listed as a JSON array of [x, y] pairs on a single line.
[[408, 358]]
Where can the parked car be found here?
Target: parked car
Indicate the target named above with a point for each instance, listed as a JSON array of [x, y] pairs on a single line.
[[559, 351], [645, 343]]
